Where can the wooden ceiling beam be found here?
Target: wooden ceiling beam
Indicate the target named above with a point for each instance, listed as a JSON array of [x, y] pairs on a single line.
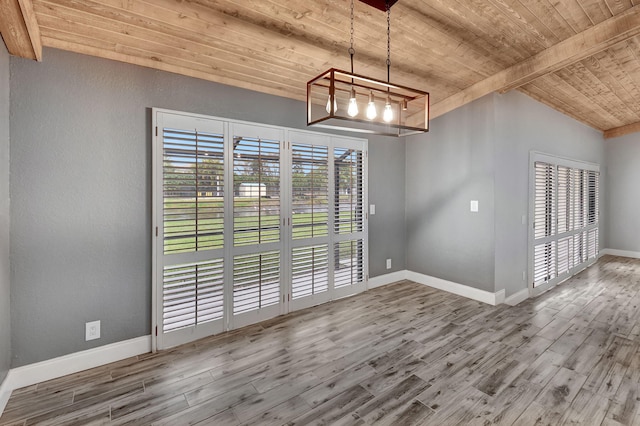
[[622, 130], [19, 29], [576, 48]]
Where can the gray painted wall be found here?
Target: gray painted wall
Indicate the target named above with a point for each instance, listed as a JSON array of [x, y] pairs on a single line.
[[81, 193], [481, 152], [525, 125], [622, 199], [446, 169], [5, 319]]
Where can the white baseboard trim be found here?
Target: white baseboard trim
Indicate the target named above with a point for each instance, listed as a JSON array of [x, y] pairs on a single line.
[[73, 363], [385, 279], [520, 296], [623, 253], [459, 289], [5, 394]]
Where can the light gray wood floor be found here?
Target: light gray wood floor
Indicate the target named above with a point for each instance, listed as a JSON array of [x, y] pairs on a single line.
[[399, 355]]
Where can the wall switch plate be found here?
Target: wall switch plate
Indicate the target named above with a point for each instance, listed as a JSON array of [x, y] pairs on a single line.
[[372, 209], [474, 206], [388, 263], [92, 330]]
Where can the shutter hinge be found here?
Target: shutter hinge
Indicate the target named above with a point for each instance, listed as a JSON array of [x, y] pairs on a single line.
[[156, 130], [289, 297], [156, 231], [156, 330]]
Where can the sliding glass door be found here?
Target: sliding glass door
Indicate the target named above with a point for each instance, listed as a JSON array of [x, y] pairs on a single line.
[[251, 222]]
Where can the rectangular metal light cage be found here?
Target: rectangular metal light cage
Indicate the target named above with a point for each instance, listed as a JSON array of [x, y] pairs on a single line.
[[328, 98]]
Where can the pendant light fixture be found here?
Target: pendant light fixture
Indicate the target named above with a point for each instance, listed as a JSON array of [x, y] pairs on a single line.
[[332, 97]]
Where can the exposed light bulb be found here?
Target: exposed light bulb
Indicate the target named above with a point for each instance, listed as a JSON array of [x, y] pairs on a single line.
[[387, 115], [371, 107], [335, 105], [352, 110]]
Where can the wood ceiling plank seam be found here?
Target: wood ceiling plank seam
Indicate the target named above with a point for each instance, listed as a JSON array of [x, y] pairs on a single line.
[[49, 34], [550, 99], [596, 10], [627, 93], [550, 17], [581, 99], [282, 85], [14, 30], [155, 37], [164, 53], [519, 15], [572, 14], [598, 92], [112, 55], [377, 48]]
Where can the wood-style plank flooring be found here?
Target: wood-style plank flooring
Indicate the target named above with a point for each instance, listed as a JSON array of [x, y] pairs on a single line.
[[403, 354]]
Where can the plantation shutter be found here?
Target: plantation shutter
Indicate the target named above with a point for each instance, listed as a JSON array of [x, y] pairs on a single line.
[[565, 220], [193, 222], [257, 223], [348, 250]]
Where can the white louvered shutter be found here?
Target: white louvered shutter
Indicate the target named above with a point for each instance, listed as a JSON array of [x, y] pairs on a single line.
[[193, 222]]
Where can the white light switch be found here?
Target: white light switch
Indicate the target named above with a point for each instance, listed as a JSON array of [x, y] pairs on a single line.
[[372, 209], [474, 206]]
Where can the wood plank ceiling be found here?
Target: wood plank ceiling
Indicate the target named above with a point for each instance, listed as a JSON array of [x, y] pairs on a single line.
[[581, 57]]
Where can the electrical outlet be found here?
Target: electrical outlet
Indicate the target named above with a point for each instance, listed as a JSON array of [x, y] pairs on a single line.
[[473, 206], [372, 209], [524, 275], [92, 330], [388, 263]]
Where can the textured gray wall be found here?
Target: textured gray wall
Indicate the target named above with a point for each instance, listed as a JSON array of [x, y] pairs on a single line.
[[622, 196], [525, 125], [446, 169], [386, 192], [481, 152], [81, 193], [5, 319]]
